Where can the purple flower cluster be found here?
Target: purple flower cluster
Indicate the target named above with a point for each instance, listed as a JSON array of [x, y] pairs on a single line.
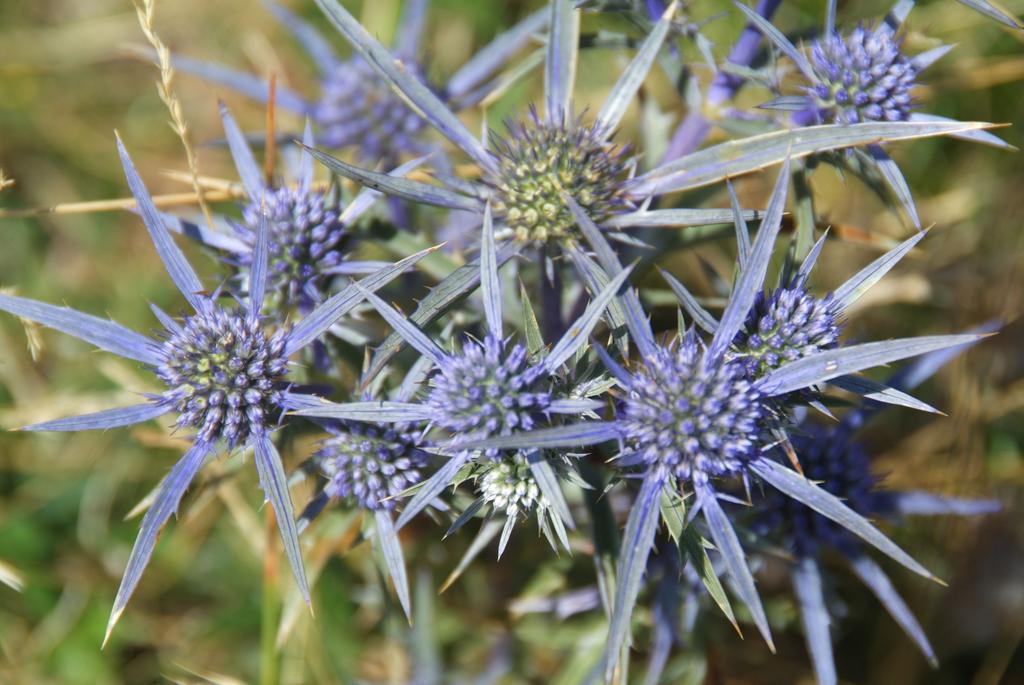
[[306, 240], [787, 324], [863, 76], [695, 420], [488, 389], [356, 107], [223, 373], [686, 415], [371, 464]]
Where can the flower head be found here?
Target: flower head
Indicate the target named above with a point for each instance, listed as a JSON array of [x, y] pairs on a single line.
[[311, 238], [862, 76], [539, 160], [489, 388], [224, 374], [356, 107], [787, 324], [841, 467], [695, 420], [371, 464], [834, 458], [508, 486], [307, 240]]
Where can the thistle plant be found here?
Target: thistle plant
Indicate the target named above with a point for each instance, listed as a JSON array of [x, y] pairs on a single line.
[[691, 415], [541, 159], [226, 374], [355, 107], [861, 76], [593, 406], [531, 168]]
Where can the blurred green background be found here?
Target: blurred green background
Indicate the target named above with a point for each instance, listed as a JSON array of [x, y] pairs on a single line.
[[67, 82]]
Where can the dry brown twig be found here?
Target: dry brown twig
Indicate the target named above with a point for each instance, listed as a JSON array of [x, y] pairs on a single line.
[[146, 10]]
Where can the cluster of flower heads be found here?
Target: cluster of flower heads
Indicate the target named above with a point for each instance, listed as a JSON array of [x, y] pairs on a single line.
[[702, 412]]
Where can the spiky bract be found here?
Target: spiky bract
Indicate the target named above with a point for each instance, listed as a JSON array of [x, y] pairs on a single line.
[[840, 466]]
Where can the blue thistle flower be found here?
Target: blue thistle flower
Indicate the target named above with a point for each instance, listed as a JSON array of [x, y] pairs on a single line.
[[787, 324], [308, 240], [371, 464], [311, 237], [540, 161], [694, 420], [489, 388], [357, 108], [839, 466], [226, 374], [835, 459], [862, 76], [859, 76]]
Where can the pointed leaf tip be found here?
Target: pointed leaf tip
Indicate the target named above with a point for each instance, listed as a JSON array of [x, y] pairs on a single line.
[[274, 483], [177, 266], [165, 504]]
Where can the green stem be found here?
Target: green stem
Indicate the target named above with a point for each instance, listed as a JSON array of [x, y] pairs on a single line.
[[269, 609], [805, 223]]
